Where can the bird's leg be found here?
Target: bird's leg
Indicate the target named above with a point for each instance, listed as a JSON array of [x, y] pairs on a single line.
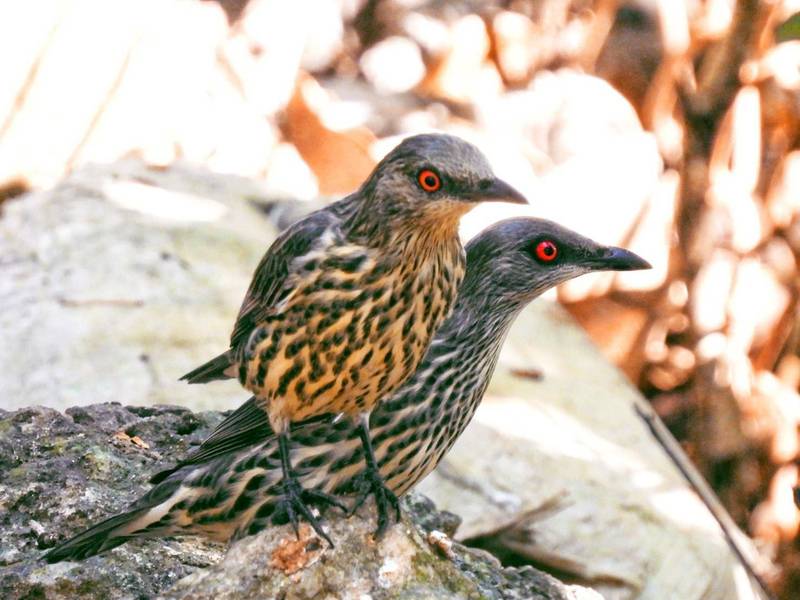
[[296, 499], [385, 499]]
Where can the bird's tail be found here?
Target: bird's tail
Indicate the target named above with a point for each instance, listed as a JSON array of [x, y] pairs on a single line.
[[94, 540], [210, 371], [146, 517]]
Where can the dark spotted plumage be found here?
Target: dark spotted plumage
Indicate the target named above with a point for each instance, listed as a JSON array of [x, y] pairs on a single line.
[[345, 302], [231, 485]]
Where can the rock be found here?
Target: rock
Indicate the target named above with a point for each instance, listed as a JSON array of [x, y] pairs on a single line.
[[122, 279], [409, 562], [588, 164], [62, 472], [560, 469], [288, 174]]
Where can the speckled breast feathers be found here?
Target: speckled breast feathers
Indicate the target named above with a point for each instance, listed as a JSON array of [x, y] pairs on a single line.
[[353, 328]]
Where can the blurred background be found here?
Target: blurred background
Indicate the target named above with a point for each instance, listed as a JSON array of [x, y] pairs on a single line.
[[667, 126]]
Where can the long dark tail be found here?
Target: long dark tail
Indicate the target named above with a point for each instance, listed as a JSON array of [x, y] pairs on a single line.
[[136, 521], [210, 371], [94, 540]]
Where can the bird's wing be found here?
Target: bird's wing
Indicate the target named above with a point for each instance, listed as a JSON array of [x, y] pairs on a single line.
[[272, 280], [245, 427]]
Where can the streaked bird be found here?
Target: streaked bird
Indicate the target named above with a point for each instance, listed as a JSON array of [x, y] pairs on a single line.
[[344, 304], [231, 485]]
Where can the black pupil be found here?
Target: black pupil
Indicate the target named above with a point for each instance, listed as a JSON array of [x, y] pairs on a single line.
[[549, 250], [430, 181]]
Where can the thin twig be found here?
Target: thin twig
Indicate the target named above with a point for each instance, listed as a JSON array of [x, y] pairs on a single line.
[[729, 529]]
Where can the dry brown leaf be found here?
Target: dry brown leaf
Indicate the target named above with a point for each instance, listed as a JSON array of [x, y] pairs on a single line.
[[296, 553], [757, 302], [783, 196], [653, 236], [136, 440], [122, 436], [617, 329], [341, 160], [776, 518], [710, 290]]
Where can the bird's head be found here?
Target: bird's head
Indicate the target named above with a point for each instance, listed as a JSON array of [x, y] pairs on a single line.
[[434, 178], [518, 259]]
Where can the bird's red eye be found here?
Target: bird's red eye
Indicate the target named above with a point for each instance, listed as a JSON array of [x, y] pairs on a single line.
[[429, 181], [546, 251]]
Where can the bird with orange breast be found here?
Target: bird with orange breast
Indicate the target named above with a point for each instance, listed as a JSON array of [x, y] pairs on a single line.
[[344, 304]]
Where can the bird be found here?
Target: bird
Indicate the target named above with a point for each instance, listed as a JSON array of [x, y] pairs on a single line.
[[229, 487], [344, 303]]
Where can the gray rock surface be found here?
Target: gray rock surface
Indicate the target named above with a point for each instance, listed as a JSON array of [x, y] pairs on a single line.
[[62, 472], [123, 278], [411, 561]]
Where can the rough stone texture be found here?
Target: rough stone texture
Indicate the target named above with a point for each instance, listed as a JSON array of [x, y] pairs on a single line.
[[122, 279], [61, 472], [407, 563]]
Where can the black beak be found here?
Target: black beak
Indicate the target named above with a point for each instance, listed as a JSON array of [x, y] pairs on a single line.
[[619, 259], [494, 190]]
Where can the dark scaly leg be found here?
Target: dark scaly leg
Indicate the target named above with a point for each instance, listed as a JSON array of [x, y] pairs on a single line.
[[385, 499], [296, 500]]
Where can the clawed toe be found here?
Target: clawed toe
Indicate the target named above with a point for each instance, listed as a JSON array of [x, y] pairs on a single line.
[[295, 503], [320, 498], [386, 501]]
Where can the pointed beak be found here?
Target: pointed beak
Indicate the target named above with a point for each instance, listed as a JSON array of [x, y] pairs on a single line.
[[495, 190], [619, 259]]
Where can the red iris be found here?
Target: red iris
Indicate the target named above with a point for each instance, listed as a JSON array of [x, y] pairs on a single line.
[[546, 251], [429, 180]]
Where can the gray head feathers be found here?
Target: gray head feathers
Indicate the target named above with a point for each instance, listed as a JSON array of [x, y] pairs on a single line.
[[434, 172], [522, 257]]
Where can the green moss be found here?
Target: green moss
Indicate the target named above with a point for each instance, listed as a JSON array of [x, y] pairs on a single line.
[[17, 472], [88, 587], [436, 573], [100, 462], [5, 425], [59, 445]]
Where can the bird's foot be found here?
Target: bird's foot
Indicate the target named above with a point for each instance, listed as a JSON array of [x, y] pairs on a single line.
[[296, 502], [386, 501]]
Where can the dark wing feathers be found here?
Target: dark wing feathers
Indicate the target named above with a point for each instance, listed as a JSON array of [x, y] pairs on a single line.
[[269, 283], [246, 426], [210, 371]]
